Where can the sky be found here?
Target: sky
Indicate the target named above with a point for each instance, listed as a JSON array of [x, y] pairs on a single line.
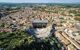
[[40, 1]]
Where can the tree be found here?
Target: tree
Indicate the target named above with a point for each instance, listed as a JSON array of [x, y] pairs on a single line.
[[9, 41], [2, 25]]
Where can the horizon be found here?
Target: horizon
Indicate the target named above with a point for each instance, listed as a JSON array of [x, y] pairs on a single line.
[[40, 1], [35, 3]]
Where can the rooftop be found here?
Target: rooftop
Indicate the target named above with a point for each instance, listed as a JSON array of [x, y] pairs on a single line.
[[40, 21]]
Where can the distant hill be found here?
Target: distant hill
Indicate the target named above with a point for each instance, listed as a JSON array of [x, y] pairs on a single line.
[[4, 5]]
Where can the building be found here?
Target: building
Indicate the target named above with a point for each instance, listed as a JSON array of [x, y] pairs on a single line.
[[39, 23], [5, 30], [71, 47], [40, 29]]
